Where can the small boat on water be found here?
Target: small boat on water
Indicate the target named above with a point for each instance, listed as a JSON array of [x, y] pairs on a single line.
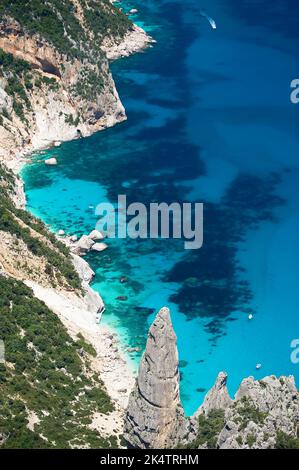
[[210, 20], [258, 366], [250, 316]]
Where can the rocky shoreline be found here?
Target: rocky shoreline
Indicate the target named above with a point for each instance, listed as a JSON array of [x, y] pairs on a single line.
[[136, 40], [82, 315]]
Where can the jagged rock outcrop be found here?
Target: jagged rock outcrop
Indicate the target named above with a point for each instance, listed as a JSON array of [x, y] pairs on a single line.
[[87, 243], [92, 299], [264, 413], [64, 86], [260, 410], [83, 245], [135, 40], [217, 398], [155, 418]]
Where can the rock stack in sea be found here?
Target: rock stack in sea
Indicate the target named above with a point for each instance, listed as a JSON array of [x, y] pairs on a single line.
[[155, 417], [263, 414]]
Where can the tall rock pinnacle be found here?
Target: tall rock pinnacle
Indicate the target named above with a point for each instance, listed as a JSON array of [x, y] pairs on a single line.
[[155, 417], [217, 398]]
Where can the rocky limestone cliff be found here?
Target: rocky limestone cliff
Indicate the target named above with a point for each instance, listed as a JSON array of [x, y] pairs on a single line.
[[261, 410], [32, 257], [264, 413], [56, 85], [155, 415], [217, 398], [55, 82]]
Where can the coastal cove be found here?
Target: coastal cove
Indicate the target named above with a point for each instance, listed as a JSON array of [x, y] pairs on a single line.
[[203, 125]]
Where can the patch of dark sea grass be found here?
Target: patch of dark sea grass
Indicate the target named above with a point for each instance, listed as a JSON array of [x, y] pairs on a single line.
[[216, 290]]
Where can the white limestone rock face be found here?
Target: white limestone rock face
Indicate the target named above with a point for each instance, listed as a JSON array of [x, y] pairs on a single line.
[[5, 100], [135, 40], [46, 122], [217, 398], [18, 195], [94, 302], [83, 269], [269, 405], [155, 418]]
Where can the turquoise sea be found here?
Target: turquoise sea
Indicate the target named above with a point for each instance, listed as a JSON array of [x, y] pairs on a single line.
[[209, 120]]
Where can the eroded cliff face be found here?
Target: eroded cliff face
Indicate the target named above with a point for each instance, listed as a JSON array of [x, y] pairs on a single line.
[[263, 414], [60, 106], [55, 82], [155, 418]]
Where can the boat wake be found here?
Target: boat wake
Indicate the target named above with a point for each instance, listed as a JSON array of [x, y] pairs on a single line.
[[210, 20]]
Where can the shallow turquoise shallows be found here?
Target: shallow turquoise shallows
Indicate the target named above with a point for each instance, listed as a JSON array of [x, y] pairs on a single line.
[[209, 120]]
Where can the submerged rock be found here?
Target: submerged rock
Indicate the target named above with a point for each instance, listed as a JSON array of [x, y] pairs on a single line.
[[51, 161], [155, 417], [122, 297]]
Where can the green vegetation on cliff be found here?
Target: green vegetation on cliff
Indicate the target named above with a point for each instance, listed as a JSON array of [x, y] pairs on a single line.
[[209, 428], [45, 375], [76, 30], [20, 80], [80, 20], [284, 441], [248, 412], [22, 225]]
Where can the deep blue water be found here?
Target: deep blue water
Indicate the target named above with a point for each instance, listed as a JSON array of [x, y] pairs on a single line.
[[209, 120]]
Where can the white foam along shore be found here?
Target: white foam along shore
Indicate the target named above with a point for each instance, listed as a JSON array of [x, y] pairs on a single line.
[[82, 315]]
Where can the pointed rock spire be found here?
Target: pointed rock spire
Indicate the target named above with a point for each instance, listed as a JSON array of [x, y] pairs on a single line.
[[155, 415], [217, 397]]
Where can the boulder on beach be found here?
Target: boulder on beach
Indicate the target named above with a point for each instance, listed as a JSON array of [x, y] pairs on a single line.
[[136, 349], [99, 247], [51, 161], [96, 235], [73, 238], [83, 245]]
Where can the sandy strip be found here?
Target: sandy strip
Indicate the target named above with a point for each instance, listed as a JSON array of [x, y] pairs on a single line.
[[110, 362]]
